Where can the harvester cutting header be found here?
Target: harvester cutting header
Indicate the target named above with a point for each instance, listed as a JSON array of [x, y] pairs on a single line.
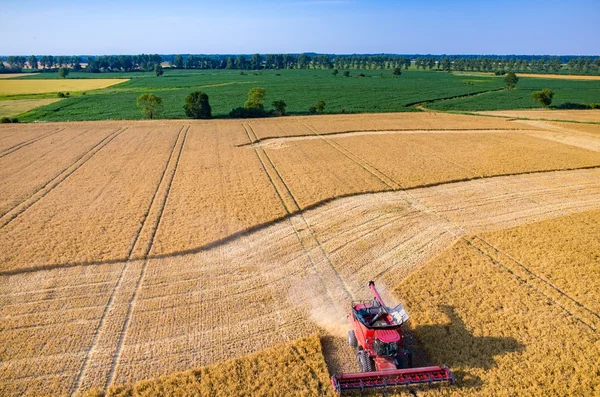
[[382, 357]]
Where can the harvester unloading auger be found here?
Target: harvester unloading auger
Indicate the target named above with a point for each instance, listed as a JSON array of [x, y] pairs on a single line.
[[380, 351]]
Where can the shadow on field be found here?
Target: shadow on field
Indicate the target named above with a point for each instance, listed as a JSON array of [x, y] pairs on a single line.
[[455, 346]]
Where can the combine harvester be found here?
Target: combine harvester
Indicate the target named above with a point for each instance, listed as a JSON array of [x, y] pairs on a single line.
[[380, 352]]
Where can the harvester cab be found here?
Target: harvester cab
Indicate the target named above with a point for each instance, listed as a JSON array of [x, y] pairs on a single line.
[[378, 338]]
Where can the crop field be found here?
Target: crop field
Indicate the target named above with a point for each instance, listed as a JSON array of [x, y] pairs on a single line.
[[21, 86], [559, 76], [574, 91], [584, 116], [494, 305], [131, 250], [228, 90], [15, 107]]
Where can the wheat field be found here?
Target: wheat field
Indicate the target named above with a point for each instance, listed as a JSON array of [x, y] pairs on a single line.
[[156, 247], [16, 87]]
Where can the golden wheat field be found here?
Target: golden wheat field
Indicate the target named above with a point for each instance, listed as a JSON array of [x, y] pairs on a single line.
[[16, 87], [16, 107], [131, 251]]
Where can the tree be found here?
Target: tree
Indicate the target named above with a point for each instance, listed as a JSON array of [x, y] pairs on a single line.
[[280, 107], [256, 61], [320, 106], [63, 72], [335, 72], [197, 106], [33, 62], [150, 104], [256, 98], [178, 62], [158, 69], [230, 63], [510, 80], [397, 71], [544, 97]]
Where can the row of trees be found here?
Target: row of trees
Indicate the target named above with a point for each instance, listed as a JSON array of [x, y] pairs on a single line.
[[197, 106], [289, 61], [109, 63], [105, 63], [542, 65]]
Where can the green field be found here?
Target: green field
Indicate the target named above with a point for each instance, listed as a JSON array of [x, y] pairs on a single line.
[[576, 91], [228, 89], [300, 89]]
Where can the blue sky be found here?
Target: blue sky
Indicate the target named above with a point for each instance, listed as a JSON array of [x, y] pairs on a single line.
[[62, 27]]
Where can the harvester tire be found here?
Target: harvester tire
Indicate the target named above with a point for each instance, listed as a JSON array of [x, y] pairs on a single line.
[[364, 361], [352, 338]]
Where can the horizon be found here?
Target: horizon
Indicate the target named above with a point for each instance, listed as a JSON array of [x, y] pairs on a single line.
[[351, 27]]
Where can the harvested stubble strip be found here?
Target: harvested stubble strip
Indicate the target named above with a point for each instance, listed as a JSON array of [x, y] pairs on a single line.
[[219, 190], [500, 335], [101, 205], [296, 368], [30, 168], [46, 327], [298, 126], [202, 322], [592, 115]]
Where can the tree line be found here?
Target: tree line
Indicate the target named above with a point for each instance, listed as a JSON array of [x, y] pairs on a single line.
[[94, 64], [147, 62], [482, 64]]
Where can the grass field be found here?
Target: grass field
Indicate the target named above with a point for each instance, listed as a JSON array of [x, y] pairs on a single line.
[[156, 247], [15, 87]]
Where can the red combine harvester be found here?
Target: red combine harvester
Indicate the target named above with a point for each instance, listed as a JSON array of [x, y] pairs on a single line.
[[380, 352]]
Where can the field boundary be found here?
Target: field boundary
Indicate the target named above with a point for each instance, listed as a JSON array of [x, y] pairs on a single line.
[[39, 194]]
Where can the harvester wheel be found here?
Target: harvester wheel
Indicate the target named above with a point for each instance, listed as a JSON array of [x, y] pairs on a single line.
[[364, 361], [352, 338]]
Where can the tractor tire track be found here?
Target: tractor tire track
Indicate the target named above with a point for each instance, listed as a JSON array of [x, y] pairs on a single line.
[[370, 168], [168, 182], [92, 373], [57, 180], [571, 306], [21, 145], [308, 241]]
